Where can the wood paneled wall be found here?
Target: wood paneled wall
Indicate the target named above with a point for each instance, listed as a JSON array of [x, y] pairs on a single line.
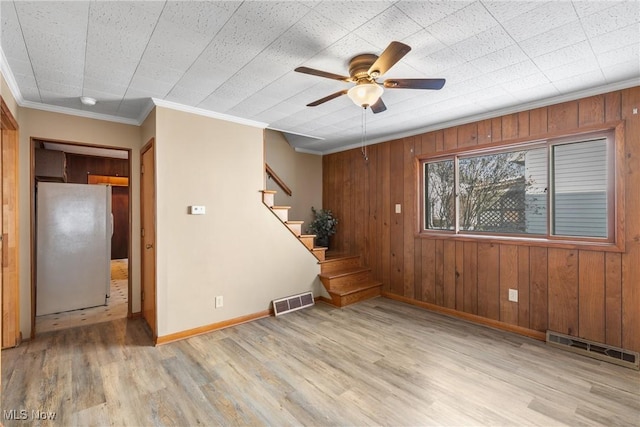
[[590, 294]]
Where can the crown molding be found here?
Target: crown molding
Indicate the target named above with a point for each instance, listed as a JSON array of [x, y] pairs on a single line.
[[79, 113], [206, 113], [10, 79]]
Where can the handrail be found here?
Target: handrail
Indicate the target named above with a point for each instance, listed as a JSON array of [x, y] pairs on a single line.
[[277, 179]]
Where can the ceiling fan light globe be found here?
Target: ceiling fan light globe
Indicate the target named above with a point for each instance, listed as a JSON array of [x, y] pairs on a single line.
[[365, 94]]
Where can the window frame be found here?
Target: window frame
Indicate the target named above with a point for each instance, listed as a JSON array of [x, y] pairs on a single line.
[[613, 132]]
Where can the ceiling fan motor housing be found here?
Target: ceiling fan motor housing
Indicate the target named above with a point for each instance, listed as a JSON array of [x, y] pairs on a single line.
[[359, 67]]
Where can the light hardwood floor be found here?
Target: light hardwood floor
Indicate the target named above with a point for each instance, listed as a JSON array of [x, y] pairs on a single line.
[[116, 307], [379, 362]]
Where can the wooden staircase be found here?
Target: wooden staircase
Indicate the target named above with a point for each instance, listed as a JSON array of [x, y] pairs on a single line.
[[282, 212], [344, 277], [347, 281]]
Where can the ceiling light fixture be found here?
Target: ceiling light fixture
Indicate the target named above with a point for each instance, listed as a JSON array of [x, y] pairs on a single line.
[[365, 94], [87, 100]]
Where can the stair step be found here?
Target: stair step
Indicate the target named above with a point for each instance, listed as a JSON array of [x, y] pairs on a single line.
[[268, 197], [295, 227], [356, 294], [338, 280], [319, 253], [307, 240], [340, 263], [282, 212]]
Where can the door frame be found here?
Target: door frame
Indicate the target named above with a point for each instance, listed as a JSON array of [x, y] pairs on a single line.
[[154, 329], [9, 255], [34, 141]]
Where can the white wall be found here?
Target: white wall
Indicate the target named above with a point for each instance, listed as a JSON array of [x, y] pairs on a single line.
[[239, 249], [301, 172]]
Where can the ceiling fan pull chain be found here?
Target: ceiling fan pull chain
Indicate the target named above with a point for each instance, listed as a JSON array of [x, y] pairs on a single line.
[[364, 134]]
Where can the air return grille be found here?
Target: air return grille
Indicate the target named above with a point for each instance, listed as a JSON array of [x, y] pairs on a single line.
[[292, 303], [627, 358]]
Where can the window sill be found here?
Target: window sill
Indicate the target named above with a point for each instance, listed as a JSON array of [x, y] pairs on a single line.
[[589, 245]]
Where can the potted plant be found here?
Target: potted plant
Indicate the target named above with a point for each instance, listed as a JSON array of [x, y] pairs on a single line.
[[323, 226]]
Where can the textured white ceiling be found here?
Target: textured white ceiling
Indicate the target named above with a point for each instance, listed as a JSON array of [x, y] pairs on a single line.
[[237, 58]]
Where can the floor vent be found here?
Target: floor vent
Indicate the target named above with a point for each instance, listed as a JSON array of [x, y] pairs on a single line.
[[292, 303], [607, 353]]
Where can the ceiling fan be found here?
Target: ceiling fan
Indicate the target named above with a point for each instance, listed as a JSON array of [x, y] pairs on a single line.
[[364, 71]]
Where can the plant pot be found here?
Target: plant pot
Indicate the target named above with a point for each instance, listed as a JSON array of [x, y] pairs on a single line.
[[322, 242]]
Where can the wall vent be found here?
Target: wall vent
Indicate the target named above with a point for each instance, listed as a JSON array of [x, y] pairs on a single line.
[[607, 353], [292, 303]]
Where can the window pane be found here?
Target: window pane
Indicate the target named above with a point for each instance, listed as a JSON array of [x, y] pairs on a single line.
[[580, 189], [504, 192], [439, 200]]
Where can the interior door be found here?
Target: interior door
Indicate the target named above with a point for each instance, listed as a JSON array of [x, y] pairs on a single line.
[[148, 224]]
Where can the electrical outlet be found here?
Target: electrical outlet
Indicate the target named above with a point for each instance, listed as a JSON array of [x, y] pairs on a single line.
[[219, 301], [513, 295]]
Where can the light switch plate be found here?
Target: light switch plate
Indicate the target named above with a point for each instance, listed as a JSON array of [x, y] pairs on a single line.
[[196, 210], [513, 295], [398, 208]]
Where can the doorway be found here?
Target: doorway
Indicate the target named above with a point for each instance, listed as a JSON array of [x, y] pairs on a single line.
[[73, 167]]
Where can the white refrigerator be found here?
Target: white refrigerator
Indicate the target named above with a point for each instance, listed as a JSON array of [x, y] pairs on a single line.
[[74, 226]]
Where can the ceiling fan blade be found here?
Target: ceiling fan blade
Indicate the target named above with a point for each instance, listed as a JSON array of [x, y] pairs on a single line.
[[414, 84], [327, 98], [314, 72], [378, 107], [387, 59]]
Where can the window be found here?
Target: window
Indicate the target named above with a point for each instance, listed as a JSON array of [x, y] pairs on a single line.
[[556, 189]]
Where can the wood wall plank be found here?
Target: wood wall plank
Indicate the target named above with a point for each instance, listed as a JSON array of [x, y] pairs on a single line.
[[563, 291], [467, 135], [563, 116], [538, 276], [385, 177], [439, 137], [496, 129], [450, 138], [484, 131], [591, 110], [489, 280], [538, 121], [508, 280], [397, 219], [428, 284], [459, 267], [373, 258], [449, 273], [510, 126], [470, 287], [408, 206], [612, 106], [523, 124], [428, 143], [439, 273], [613, 299], [591, 295], [524, 292]]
